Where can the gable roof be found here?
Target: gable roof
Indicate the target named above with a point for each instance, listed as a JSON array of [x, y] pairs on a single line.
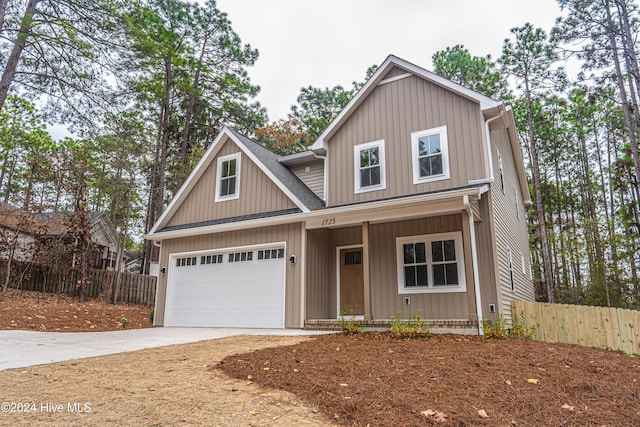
[[305, 199], [378, 78]]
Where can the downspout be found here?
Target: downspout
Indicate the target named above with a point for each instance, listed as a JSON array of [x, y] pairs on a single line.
[[474, 260], [488, 135]]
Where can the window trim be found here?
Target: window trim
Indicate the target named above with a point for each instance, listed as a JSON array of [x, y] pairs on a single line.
[[512, 279], [516, 201], [500, 170], [444, 146], [456, 236], [356, 166], [221, 160]]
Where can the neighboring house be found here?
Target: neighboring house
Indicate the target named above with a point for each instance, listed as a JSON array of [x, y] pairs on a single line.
[[412, 199], [19, 228]]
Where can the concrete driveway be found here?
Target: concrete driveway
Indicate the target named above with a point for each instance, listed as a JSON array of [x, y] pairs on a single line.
[[19, 349]]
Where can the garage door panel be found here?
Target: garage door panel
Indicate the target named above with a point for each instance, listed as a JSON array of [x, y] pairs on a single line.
[[247, 293]]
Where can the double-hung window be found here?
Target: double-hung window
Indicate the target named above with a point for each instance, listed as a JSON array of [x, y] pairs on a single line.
[[369, 167], [431, 263], [228, 182], [430, 154]]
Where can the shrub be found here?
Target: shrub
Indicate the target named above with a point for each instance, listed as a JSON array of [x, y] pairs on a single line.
[[519, 328], [350, 326], [151, 316], [124, 322], [414, 327]]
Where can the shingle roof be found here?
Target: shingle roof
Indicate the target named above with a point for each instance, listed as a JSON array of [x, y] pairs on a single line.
[[219, 221], [288, 178]]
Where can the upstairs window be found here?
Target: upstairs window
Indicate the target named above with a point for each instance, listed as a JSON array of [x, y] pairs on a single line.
[[228, 183], [369, 167], [430, 153]]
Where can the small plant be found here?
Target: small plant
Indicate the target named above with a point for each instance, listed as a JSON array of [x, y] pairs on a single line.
[[124, 322], [350, 326], [151, 316], [496, 330], [519, 328], [411, 328]]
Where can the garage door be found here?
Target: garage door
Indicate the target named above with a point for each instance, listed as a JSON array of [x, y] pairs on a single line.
[[239, 288]]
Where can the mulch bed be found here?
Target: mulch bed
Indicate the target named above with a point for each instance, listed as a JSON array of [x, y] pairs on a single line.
[[37, 311], [377, 379]]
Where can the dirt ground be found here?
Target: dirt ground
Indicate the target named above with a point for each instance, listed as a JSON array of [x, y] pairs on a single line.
[[378, 380], [372, 379], [164, 386], [35, 311]]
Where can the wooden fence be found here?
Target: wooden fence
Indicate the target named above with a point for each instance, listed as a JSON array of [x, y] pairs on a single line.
[[134, 288], [600, 327]]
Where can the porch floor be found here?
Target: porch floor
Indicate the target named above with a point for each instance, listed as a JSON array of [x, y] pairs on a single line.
[[461, 327]]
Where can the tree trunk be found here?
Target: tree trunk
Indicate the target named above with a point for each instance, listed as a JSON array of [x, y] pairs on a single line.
[[16, 52], [535, 169], [3, 13]]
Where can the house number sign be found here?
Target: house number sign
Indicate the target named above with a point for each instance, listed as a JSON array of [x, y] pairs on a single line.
[[328, 221]]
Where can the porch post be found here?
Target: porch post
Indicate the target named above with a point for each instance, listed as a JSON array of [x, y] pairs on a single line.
[[365, 271]]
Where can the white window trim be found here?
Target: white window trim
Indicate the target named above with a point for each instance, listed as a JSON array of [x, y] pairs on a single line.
[[427, 239], [500, 170], [222, 159], [444, 145], [512, 275], [356, 167]]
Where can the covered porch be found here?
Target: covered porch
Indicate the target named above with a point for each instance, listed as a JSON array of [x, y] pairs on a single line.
[[408, 256]]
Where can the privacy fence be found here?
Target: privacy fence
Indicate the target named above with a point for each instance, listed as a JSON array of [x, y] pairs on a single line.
[[133, 288], [600, 327]]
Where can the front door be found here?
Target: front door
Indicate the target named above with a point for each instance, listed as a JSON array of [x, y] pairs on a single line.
[[351, 282]]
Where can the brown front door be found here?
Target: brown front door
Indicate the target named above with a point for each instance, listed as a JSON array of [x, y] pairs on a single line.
[[351, 282]]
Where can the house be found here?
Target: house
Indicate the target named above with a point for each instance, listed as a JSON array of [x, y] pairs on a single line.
[[19, 229], [412, 199]]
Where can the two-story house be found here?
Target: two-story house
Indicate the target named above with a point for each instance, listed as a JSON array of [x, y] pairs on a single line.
[[412, 199]]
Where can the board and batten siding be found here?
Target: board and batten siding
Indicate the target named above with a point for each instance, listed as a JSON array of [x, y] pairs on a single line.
[[321, 286], [510, 231], [313, 177], [391, 113], [289, 233], [486, 249], [257, 193]]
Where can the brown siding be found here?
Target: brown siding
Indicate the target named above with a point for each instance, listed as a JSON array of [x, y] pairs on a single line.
[[257, 193], [291, 234], [384, 280], [486, 248], [392, 112], [314, 178], [511, 232], [319, 281]]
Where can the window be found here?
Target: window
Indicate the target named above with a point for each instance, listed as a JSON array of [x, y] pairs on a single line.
[[186, 262], [515, 199], [271, 254], [501, 171], [228, 184], [430, 153], [353, 258], [240, 256], [369, 167], [211, 259], [511, 278], [524, 271], [431, 263]]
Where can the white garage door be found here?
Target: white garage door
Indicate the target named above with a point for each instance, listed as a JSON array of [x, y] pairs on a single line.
[[242, 288]]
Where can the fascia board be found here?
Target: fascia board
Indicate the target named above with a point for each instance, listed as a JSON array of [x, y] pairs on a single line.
[[308, 216], [484, 101], [270, 174]]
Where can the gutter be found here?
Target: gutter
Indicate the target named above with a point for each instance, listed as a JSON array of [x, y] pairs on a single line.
[[325, 182], [474, 259], [488, 136], [305, 216]]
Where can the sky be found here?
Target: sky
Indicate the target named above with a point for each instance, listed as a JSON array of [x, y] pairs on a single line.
[[324, 43]]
